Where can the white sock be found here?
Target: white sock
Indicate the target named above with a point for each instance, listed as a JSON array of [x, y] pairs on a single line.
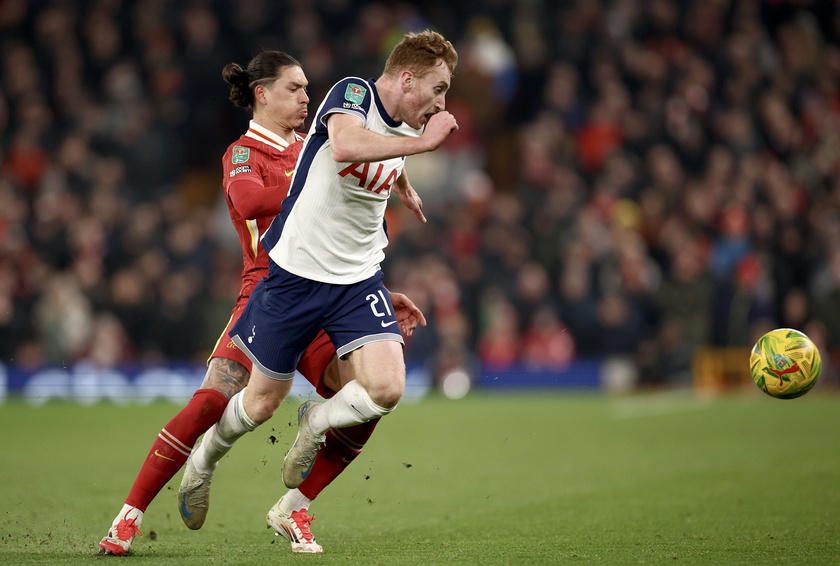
[[218, 441], [350, 406], [294, 500]]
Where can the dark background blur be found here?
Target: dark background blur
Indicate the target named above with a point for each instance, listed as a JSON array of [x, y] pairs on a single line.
[[638, 180]]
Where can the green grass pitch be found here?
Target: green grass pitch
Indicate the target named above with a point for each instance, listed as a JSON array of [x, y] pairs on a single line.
[[508, 478]]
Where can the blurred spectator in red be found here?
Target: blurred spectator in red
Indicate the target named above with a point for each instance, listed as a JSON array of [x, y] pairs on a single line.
[[619, 161], [546, 342]]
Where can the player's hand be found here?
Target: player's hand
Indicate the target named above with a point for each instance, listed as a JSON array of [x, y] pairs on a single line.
[[407, 313], [411, 200], [438, 127]]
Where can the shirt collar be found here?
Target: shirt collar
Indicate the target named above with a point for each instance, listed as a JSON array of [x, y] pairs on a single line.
[[259, 133]]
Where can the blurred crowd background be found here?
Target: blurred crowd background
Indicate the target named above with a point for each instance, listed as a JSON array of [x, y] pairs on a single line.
[[632, 178]]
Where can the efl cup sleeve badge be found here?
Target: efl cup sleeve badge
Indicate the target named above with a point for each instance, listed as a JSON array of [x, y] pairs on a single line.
[[240, 154], [355, 93]]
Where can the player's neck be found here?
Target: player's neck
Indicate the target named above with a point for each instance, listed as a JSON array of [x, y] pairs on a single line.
[[279, 130], [390, 93]]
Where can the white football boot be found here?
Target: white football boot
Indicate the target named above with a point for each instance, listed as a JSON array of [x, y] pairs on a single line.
[[194, 496], [294, 527], [123, 530], [300, 457]]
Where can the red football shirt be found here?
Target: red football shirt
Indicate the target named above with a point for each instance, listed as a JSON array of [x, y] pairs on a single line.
[[258, 170]]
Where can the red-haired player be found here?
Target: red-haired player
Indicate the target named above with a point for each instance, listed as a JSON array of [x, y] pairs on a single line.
[[258, 169]]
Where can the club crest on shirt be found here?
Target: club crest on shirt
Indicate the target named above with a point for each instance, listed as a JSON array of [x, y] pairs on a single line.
[[240, 154], [355, 93]]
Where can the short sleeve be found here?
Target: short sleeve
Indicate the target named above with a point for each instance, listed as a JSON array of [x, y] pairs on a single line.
[[351, 95]]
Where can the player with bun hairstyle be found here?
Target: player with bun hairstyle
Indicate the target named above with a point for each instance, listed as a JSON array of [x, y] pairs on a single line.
[[258, 169], [325, 249]]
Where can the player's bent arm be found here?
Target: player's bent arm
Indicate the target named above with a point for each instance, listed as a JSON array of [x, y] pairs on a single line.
[[252, 199], [350, 142]]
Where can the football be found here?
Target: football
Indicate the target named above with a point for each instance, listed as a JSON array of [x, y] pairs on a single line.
[[785, 363]]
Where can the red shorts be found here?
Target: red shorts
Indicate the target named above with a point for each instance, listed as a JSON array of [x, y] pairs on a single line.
[[312, 364]]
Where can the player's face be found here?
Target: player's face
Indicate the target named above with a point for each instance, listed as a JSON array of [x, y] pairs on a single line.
[[286, 98], [426, 96]]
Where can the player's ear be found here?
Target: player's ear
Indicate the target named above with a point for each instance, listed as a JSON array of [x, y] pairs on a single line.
[[259, 94], [407, 80]]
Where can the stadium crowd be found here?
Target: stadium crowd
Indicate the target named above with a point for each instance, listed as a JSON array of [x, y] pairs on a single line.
[[635, 178]]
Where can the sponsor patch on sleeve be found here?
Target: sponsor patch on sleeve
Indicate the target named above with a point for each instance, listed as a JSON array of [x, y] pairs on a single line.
[[240, 154], [240, 169], [355, 93]]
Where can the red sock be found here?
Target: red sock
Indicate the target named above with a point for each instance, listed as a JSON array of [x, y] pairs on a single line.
[[341, 447], [173, 445]]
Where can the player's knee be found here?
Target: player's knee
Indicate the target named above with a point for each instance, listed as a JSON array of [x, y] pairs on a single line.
[[260, 408], [388, 394], [259, 412]]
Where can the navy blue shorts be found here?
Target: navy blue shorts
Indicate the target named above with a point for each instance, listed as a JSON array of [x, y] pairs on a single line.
[[285, 312]]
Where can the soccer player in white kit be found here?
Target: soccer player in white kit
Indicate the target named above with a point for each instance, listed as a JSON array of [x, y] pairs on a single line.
[[325, 249]]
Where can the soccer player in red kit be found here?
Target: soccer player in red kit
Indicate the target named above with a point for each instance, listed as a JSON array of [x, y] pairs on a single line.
[[258, 169]]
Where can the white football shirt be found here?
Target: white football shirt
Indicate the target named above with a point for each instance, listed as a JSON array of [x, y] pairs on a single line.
[[332, 225]]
